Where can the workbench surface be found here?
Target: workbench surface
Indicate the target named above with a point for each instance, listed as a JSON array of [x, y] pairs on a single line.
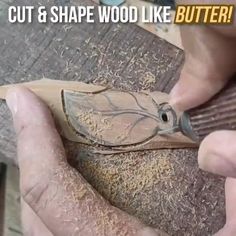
[[163, 188]]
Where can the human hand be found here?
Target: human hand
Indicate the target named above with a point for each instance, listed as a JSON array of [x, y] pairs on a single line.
[[56, 199], [210, 62]]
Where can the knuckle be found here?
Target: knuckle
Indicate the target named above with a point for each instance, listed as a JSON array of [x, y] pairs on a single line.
[[35, 194]]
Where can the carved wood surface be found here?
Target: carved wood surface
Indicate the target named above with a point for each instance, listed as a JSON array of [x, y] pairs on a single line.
[[119, 121], [163, 188]]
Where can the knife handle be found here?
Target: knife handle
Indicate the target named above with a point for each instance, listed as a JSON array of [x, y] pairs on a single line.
[[217, 114]]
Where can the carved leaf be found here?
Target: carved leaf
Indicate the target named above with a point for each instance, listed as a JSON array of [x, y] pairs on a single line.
[[113, 118]]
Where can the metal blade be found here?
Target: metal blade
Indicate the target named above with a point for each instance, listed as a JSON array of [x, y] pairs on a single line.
[[169, 131]]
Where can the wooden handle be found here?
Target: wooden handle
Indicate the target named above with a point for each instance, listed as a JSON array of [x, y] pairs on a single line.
[[217, 114]]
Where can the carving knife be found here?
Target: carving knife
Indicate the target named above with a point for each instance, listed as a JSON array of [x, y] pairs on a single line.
[[217, 114]]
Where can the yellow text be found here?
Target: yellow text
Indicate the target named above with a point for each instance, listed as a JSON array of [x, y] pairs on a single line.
[[204, 14]]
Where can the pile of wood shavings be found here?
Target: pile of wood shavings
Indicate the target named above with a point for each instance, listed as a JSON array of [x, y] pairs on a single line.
[[158, 187]]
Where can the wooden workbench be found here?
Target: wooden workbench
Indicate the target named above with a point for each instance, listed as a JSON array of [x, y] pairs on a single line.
[[163, 188]]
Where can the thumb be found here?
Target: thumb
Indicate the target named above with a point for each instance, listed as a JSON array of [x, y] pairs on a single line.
[[40, 155], [197, 84], [217, 153]]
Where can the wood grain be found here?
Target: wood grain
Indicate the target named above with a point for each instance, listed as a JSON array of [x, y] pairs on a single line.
[[168, 32]]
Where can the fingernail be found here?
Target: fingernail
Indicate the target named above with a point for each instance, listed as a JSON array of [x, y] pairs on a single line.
[[11, 99]]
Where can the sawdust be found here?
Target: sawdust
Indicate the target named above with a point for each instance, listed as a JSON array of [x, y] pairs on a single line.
[[158, 187], [148, 80], [89, 120], [83, 208], [134, 181], [95, 124], [116, 222], [145, 175]]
